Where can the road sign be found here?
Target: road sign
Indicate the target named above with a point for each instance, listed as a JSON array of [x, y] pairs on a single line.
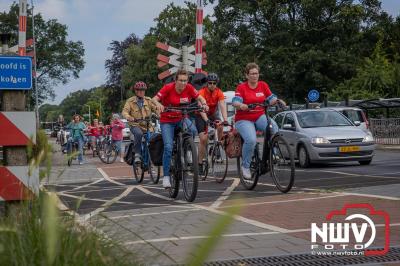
[[15, 73], [18, 183], [17, 128], [313, 95]]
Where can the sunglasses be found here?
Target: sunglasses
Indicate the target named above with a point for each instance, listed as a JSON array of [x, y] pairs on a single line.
[[212, 83], [183, 80]]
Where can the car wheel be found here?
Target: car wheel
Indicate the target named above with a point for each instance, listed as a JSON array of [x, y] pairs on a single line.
[[304, 159], [365, 162]]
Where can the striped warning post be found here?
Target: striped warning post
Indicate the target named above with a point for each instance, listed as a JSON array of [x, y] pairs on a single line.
[[18, 183], [199, 37], [22, 27]]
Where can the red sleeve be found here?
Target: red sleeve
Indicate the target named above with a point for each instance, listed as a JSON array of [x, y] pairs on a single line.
[[192, 91], [220, 95], [164, 90], [267, 91], [239, 91]]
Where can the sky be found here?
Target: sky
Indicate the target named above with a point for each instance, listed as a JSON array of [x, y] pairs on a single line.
[[98, 22]]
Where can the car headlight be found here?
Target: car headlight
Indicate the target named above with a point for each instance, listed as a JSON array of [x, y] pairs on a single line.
[[319, 140], [368, 138]]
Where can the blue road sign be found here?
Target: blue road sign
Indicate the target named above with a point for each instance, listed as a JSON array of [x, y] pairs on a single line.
[[313, 95], [15, 73]]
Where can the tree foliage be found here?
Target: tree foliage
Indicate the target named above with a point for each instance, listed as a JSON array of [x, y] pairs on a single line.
[[58, 59]]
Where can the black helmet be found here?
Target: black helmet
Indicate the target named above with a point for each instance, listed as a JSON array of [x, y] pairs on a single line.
[[212, 77]]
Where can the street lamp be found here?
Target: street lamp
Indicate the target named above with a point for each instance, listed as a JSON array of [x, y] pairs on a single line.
[[90, 121]]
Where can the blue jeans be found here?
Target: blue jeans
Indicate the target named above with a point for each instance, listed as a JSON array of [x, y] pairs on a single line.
[[167, 131], [117, 144], [247, 130], [80, 145], [137, 139]]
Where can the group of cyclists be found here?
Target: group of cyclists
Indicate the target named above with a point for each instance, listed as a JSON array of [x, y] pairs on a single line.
[[210, 98]]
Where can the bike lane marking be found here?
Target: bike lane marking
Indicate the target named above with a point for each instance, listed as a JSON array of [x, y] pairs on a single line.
[[231, 235], [228, 191]]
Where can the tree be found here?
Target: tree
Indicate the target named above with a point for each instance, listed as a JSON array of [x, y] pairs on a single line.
[[58, 60]]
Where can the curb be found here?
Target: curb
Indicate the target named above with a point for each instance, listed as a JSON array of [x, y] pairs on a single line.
[[388, 147]]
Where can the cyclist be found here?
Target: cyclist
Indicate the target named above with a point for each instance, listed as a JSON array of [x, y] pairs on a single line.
[[138, 107], [215, 99], [116, 134], [247, 121], [174, 94], [95, 133], [77, 129]]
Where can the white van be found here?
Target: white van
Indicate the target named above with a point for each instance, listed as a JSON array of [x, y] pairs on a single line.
[[229, 108]]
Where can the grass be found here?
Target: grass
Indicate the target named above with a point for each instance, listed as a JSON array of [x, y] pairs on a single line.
[[34, 232]]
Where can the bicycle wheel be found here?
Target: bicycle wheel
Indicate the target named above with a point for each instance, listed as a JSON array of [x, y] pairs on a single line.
[[190, 169], [108, 154], [249, 183], [70, 155], [174, 178], [154, 172], [138, 172], [219, 163], [204, 174], [281, 164]]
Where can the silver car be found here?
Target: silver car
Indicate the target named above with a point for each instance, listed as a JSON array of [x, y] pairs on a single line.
[[325, 135]]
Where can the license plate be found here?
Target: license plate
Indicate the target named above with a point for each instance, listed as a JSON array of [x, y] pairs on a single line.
[[349, 148]]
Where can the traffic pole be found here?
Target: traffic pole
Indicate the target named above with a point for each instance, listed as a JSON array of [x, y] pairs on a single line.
[[22, 28], [199, 37]]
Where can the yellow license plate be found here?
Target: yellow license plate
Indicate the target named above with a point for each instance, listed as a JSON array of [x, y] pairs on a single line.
[[349, 148]]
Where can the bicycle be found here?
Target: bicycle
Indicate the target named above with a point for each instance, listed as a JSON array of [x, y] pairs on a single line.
[[184, 161], [218, 159], [277, 158], [73, 152], [146, 163], [106, 150]]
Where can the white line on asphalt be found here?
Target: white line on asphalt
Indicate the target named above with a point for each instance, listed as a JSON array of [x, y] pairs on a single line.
[[283, 201], [89, 184], [151, 213], [107, 204], [229, 235], [226, 193], [350, 174], [369, 195], [106, 177]]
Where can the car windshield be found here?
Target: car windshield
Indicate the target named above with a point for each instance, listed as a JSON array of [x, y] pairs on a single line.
[[321, 119]]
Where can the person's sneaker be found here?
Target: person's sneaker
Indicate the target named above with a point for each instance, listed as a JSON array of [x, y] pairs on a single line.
[[166, 183], [121, 160], [153, 172], [80, 162], [138, 159], [246, 173]]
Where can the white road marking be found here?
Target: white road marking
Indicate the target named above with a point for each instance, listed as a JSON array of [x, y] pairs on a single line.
[[283, 201], [151, 213], [350, 174], [369, 195], [226, 193], [106, 177], [230, 235], [106, 204], [89, 184]]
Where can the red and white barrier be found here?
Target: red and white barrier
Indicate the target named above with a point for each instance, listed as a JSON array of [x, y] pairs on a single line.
[[17, 128], [22, 27], [199, 37], [16, 183]]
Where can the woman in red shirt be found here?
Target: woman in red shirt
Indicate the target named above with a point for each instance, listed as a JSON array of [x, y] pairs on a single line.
[[174, 94], [247, 121]]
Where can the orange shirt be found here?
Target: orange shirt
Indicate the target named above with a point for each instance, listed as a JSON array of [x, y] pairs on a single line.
[[212, 98]]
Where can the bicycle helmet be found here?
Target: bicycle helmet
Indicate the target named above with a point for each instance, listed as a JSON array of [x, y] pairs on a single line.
[[140, 85], [212, 77]]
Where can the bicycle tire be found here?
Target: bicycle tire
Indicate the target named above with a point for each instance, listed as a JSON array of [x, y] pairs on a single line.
[[219, 170], [154, 178], [190, 170], [174, 179], [138, 172], [108, 153], [206, 167], [251, 183], [281, 162]]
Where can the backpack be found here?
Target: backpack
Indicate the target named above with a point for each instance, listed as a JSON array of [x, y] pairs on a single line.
[[129, 154], [232, 144], [156, 149]]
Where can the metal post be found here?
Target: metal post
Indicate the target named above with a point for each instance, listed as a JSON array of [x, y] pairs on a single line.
[[185, 62], [34, 68], [199, 37]]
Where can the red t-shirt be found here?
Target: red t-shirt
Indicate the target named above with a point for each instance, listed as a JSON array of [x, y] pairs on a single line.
[[94, 131], [169, 97], [250, 95], [212, 98]]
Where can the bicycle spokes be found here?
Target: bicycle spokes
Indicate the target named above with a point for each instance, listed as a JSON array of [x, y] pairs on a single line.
[[281, 164]]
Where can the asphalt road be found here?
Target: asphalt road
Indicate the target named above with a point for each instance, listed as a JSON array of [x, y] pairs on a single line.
[[164, 231]]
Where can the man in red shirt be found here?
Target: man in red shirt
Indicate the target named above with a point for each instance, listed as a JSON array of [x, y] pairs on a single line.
[[215, 99], [94, 133], [247, 121], [173, 95]]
